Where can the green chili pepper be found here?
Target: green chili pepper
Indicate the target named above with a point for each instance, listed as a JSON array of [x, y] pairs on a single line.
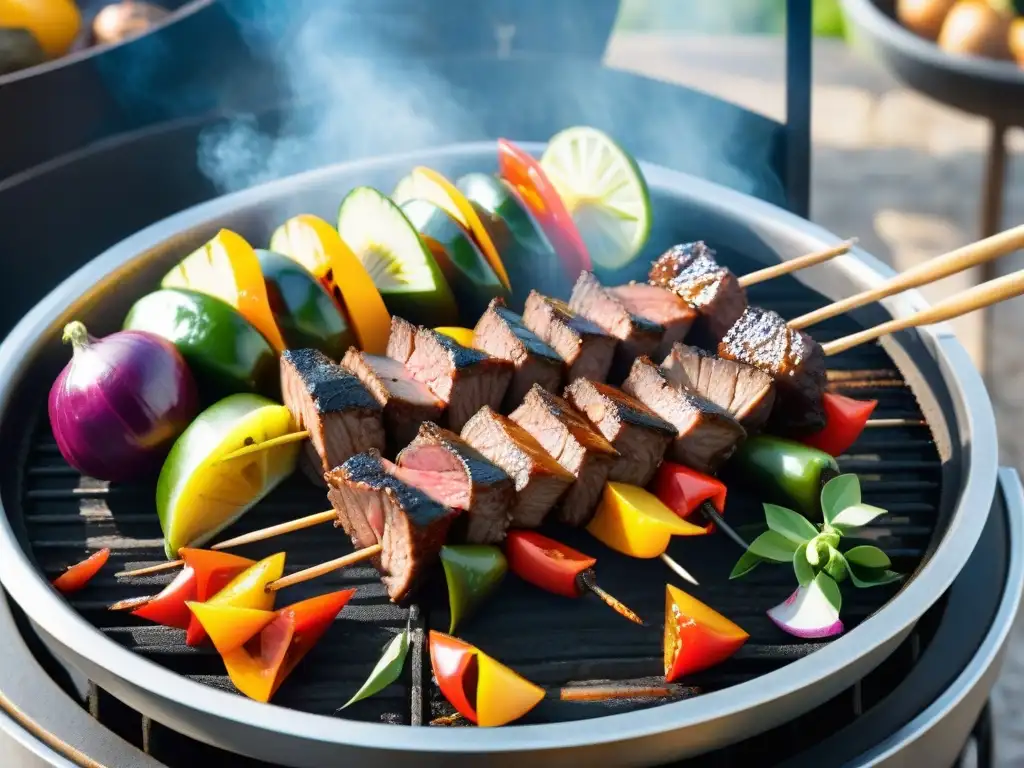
[[785, 472], [473, 571], [387, 670]]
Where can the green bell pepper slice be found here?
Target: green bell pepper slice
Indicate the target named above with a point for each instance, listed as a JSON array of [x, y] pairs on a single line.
[[785, 472], [225, 353], [473, 572]]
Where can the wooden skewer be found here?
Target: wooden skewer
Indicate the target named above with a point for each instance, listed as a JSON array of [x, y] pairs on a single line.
[[801, 262], [978, 297], [929, 271], [319, 570], [680, 571], [589, 581], [708, 510], [246, 538], [291, 437]]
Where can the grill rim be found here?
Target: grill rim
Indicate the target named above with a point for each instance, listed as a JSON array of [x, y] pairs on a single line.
[[677, 723]]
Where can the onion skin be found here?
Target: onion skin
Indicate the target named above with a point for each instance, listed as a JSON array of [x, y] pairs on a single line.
[[120, 403]]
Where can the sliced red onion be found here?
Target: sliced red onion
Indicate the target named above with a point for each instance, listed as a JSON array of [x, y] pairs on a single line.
[[811, 611]]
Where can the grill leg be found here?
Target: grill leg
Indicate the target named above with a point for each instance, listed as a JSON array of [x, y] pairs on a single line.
[[992, 211], [982, 740]]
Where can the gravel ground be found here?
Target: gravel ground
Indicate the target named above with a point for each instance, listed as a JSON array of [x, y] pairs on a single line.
[[901, 173]]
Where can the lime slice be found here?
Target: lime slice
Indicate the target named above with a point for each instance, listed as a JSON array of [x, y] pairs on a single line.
[[197, 495], [604, 191]]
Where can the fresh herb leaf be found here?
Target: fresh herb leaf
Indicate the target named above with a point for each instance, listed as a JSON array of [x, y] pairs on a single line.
[[868, 557], [387, 670], [788, 523], [830, 590], [835, 565], [855, 516], [804, 571], [838, 494], [747, 562], [864, 579], [773, 546]]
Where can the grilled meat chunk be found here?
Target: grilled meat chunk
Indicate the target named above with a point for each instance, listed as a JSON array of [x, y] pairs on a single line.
[[706, 435], [565, 434], [690, 270], [401, 339], [464, 379], [792, 358], [586, 349], [637, 335], [375, 507], [658, 305], [342, 417], [455, 474], [406, 402], [540, 480], [744, 391], [501, 333], [640, 436]]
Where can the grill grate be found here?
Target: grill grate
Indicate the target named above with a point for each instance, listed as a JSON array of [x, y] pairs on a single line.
[[550, 640]]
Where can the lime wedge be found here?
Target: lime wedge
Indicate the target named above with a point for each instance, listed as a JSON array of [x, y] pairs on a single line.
[[197, 495], [604, 191]]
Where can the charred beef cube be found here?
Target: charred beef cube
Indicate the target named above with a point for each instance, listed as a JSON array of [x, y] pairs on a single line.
[[375, 507], [792, 358], [658, 305], [565, 434], [501, 333], [342, 417], [401, 339], [464, 379], [640, 436], [744, 391], [540, 480], [691, 272], [455, 474], [706, 435], [406, 402], [586, 349], [637, 335]]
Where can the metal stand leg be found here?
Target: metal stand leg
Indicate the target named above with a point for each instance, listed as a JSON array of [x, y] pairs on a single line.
[[992, 210]]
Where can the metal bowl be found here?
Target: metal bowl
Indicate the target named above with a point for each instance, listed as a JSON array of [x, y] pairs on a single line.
[[935, 366]]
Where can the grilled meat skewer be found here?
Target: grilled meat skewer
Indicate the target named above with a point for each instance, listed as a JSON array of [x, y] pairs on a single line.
[[584, 347]]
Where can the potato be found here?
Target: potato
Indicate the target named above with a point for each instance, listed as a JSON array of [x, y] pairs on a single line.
[[128, 18], [975, 28], [924, 17]]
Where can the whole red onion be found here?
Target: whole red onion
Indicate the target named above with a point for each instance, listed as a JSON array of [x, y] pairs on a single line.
[[120, 403]]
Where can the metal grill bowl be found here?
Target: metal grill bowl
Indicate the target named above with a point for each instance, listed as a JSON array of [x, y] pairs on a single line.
[[945, 388]]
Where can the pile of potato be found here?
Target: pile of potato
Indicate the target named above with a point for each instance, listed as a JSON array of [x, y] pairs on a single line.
[[988, 28]]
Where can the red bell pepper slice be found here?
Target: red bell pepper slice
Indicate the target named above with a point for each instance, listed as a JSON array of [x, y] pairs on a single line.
[[546, 563], [310, 619], [844, 421], [524, 173], [168, 607], [455, 668], [683, 490], [696, 636], [214, 570], [80, 574]]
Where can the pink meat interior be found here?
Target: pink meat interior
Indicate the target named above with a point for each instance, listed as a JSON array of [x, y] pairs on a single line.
[[435, 471]]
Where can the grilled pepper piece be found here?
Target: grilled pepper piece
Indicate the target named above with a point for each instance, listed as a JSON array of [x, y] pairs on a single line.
[[473, 572], [696, 637], [212, 571], [546, 563], [844, 421], [79, 574], [635, 522], [259, 666], [683, 490], [168, 607], [785, 471], [229, 628], [483, 690], [249, 588]]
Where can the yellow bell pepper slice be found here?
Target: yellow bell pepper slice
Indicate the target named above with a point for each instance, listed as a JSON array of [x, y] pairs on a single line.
[[502, 696], [254, 671], [427, 184], [229, 627], [635, 522], [249, 588], [53, 23], [463, 336], [317, 246], [228, 269]]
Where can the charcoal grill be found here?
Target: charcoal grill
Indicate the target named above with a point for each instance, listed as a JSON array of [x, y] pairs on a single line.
[[936, 480]]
